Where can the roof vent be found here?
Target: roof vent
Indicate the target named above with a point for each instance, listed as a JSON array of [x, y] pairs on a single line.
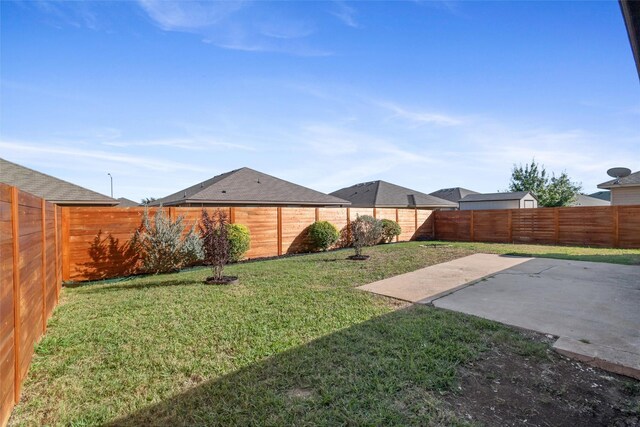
[[258, 181], [224, 191], [185, 194]]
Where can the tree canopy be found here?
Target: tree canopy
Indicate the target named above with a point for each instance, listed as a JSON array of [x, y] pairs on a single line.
[[551, 191]]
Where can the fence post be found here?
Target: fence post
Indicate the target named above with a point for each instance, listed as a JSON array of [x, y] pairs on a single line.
[[374, 212], [415, 231], [232, 215], [279, 231], [66, 261], [510, 225], [348, 224], [172, 213], [43, 206], [556, 225], [616, 226], [15, 235], [398, 221], [55, 251], [434, 229], [471, 228]]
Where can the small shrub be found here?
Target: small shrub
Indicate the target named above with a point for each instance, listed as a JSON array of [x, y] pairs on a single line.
[[162, 246], [365, 231], [239, 241], [390, 229], [323, 235], [215, 239]]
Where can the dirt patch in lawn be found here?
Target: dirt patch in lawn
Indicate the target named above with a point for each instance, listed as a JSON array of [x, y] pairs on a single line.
[[542, 388]]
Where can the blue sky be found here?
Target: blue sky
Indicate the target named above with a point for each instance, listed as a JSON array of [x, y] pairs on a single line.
[[326, 94]]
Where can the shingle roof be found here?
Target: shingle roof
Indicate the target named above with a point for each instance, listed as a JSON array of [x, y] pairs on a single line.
[[631, 180], [452, 194], [492, 197], [246, 186], [602, 195], [584, 200], [127, 203], [48, 187], [385, 194]]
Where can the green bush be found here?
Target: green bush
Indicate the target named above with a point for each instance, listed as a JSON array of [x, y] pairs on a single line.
[[323, 235], [365, 231], [390, 229], [239, 241], [163, 245]]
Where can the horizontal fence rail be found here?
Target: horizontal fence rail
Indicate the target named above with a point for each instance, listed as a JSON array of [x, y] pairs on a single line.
[[599, 226], [95, 240], [30, 282]]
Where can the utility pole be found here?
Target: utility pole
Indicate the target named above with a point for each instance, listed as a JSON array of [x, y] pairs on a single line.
[[111, 184]]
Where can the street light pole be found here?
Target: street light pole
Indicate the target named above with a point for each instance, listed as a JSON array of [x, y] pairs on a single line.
[[111, 184]]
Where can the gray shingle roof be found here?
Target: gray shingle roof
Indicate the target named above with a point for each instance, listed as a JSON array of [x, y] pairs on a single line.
[[633, 179], [127, 203], [491, 197], [602, 195], [48, 187], [246, 186], [584, 200], [453, 194], [385, 194]]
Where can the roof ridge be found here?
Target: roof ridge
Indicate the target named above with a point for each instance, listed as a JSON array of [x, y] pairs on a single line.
[[56, 178]]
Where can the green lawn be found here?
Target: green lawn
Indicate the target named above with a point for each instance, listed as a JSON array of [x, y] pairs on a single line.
[[292, 342]]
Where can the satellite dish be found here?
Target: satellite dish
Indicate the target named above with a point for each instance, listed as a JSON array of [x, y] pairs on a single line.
[[619, 172]]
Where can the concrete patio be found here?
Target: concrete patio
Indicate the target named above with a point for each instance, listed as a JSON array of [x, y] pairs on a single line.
[[594, 308]]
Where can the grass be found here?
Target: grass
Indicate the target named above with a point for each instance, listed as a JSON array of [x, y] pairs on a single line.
[[292, 343]]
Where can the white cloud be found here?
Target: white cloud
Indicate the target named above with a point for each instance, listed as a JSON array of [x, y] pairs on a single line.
[[236, 25], [421, 117], [52, 152], [346, 14], [189, 15]]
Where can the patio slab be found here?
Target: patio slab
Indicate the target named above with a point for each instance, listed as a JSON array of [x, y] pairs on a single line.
[[592, 307], [438, 280]]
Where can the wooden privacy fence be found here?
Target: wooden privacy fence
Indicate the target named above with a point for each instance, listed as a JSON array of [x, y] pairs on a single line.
[[95, 240], [30, 280], [601, 226]]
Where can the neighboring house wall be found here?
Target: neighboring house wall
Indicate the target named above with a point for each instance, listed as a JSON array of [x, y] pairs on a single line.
[[490, 204], [625, 196]]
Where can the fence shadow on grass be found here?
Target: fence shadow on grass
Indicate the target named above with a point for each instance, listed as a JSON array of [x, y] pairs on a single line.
[[379, 372]]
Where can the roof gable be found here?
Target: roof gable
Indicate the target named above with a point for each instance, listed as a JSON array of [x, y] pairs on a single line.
[[452, 194], [248, 186], [385, 194], [48, 187]]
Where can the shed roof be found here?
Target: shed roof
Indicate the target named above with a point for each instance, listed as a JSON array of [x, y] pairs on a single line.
[[246, 186], [50, 188], [452, 194], [493, 197], [385, 194]]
